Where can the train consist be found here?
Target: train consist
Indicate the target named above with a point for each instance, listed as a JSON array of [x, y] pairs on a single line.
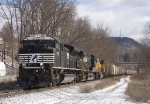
[[44, 61]]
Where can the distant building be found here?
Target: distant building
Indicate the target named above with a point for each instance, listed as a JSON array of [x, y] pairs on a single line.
[[1, 39]]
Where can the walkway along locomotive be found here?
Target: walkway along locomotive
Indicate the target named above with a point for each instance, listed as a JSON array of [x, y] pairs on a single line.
[[44, 61]]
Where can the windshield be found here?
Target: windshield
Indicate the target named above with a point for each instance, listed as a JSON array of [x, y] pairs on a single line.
[[38, 42]]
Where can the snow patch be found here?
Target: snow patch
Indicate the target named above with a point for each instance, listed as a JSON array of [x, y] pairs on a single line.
[[71, 95], [2, 69]]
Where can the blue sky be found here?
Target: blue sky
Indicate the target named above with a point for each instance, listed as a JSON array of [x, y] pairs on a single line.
[[85, 1], [129, 16]]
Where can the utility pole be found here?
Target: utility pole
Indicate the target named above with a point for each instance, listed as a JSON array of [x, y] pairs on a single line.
[[120, 33]]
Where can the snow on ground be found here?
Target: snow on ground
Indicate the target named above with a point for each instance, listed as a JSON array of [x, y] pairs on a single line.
[[71, 95], [6, 73]]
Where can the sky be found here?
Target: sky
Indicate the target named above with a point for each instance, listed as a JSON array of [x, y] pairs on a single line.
[[127, 17]]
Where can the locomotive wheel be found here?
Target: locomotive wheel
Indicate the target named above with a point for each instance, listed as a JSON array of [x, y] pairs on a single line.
[[54, 83], [50, 85], [56, 79], [73, 82], [97, 76], [78, 79]]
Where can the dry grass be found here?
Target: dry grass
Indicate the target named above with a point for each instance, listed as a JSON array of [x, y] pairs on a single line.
[[103, 83], [86, 88], [106, 83], [139, 87]]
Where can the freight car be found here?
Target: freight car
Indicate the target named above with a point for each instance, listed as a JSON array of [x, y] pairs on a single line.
[[44, 61]]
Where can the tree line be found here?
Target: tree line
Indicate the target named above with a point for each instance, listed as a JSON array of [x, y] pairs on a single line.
[[145, 49], [56, 18]]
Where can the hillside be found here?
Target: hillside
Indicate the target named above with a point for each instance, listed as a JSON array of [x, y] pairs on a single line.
[[127, 43], [128, 49]]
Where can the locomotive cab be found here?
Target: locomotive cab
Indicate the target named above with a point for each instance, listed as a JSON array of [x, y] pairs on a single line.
[[37, 57], [45, 61]]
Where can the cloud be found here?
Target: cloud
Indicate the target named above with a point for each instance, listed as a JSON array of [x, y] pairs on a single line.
[[3, 19], [128, 15]]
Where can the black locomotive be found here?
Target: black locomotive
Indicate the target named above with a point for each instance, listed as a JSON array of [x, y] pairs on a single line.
[[44, 61]]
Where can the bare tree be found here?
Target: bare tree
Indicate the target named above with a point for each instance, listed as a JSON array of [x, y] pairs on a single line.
[[145, 48], [58, 18], [94, 41], [47, 16], [25, 17], [8, 30], [80, 32], [103, 45]]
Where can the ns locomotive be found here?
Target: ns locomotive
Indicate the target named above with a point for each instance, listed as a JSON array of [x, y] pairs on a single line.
[[44, 61]]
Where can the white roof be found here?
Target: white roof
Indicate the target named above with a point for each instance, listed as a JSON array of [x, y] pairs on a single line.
[[38, 37], [1, 41]]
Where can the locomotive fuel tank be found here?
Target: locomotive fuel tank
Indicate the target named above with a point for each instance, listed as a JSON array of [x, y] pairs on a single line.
[[68, 78]]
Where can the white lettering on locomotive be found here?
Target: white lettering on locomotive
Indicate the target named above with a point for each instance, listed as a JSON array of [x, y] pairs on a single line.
[[34, 58]]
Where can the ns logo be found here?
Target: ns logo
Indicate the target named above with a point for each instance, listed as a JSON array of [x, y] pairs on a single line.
[[34, 58]]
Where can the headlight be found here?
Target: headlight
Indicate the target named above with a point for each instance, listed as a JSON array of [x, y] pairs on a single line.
[[41, 64], [24, 65]]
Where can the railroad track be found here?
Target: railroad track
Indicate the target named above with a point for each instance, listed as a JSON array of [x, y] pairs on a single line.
[[8, 93], [18, 91], [11, 93]]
